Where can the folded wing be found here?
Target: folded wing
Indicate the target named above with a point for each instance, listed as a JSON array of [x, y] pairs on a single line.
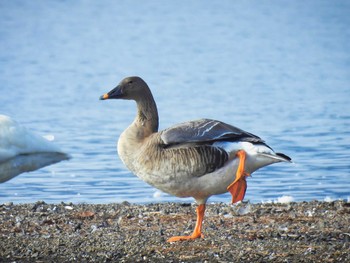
[[206, 131]]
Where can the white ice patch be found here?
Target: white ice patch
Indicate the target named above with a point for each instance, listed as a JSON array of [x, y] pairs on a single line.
[[244, 210], [16, 139], [157, 194], [266, 201], [23, 151], [328, 199], [285, 199], [310, 213], [49, 137]]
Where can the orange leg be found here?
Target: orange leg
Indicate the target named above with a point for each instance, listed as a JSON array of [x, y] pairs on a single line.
[[239, 186], [197, 232]]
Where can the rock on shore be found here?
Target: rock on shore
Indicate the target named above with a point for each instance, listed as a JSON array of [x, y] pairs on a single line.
[[295, 232]]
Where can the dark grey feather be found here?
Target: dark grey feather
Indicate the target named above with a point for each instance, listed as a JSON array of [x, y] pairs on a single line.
[[204, 131]]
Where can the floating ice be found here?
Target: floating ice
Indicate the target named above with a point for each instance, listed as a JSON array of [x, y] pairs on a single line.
[[49, 137], [23, 151]]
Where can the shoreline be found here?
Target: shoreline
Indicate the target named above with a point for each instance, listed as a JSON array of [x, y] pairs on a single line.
[[123, 232]]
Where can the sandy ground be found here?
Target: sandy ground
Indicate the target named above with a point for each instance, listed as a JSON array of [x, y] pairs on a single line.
[[123, 232]]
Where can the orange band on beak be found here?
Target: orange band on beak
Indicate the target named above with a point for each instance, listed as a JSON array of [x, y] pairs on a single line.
[[105, 96]]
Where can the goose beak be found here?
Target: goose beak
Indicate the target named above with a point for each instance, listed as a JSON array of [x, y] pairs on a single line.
[[104, 97], [115, 93]]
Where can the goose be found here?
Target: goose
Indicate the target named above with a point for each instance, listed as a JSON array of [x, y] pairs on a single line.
[[23, 151], [198, 158]]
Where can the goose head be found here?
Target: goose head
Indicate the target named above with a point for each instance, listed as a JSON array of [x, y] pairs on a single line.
[[135, 88], [130, 88]]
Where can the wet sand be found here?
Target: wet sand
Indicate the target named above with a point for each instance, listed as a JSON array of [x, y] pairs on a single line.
[[295, 232]]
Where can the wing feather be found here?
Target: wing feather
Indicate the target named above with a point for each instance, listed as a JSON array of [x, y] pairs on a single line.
[[205, 130], [196, 141]]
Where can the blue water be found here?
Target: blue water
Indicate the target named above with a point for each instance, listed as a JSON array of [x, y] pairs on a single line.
[[279, 69]]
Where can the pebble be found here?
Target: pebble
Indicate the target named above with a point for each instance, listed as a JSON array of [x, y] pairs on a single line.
[[8, 204], [271, 232]]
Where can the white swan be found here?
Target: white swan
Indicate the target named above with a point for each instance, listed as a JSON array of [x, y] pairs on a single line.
[[23, 151]]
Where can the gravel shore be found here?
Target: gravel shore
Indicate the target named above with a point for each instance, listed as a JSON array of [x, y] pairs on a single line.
[[295, 232]]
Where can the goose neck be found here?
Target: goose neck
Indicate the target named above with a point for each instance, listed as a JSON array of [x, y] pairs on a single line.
[[147, 115]]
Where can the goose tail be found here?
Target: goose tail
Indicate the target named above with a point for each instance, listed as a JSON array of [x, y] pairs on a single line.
[[284, 158], [278, 157]]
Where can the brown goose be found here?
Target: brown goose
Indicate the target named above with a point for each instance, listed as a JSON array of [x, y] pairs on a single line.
[[198, 158]]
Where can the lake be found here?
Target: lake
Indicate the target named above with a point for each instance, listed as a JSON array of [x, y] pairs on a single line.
[[278, 69]]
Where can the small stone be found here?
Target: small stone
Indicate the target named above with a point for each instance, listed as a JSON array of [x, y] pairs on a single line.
[[93, 228]]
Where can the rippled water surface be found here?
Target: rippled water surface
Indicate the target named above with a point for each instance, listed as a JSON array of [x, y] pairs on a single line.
[[279, 69]]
